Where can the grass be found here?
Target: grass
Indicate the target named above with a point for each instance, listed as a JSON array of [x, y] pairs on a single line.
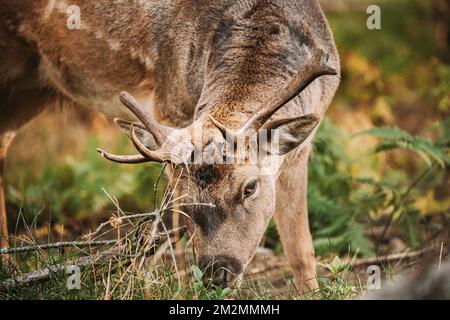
[[143, 267], [115, 281], [159, 271]]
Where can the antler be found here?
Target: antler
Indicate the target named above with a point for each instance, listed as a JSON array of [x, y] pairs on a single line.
[[153, 156], [316, 67], [160, 133], [122, 159]]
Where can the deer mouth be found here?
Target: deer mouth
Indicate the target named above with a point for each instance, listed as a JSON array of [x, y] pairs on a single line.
[[220, 271], [221, 278]]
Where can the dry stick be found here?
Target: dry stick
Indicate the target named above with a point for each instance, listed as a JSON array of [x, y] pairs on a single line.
[[276, 265], [33, 240], [57, 245], [156, 186], [147, 246], [117, 220], [356, 263], [440, 255], [128, 272], [175, 224], [84, 262], [45, 274], [143, 215], [392, 257], [78, 244], [108, 283]]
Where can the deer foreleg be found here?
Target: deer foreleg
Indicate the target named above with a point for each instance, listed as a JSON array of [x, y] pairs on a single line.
[[5, 141], [291, 217]]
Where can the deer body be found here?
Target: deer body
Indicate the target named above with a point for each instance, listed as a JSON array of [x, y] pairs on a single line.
[[185, 61]]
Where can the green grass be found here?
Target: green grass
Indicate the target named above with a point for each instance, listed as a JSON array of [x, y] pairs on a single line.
[[161, 282], [143, 269], [341, 205]]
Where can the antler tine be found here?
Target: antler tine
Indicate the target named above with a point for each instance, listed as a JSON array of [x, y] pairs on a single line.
[[139, 125], [147, 120], [218, 125], [315, 68], [150, 155], [223, 130], [146, 154], [123, 159]]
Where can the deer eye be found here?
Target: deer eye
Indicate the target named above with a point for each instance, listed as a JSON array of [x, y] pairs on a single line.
[[250, 188]]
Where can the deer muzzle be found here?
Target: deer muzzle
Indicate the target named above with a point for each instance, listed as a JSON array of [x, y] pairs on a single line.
[[220, 270]]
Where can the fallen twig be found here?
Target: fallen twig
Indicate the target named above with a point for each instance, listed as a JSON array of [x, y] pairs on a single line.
[[58, 245], [391, 258], [269, 267], [100, 259], [356, 263], [118, 220], [45, 274]]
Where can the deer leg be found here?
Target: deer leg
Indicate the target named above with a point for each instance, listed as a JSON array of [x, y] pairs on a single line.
[[16, 109], [292, 221], [5, 141]]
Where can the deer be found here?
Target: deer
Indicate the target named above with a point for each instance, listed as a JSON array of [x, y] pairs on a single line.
[[163, 68]]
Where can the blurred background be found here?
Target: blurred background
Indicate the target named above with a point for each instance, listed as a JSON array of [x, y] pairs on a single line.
[[379, 175]]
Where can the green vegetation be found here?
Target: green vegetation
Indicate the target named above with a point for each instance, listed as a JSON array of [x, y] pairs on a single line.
[[343, 205], [73, 188]]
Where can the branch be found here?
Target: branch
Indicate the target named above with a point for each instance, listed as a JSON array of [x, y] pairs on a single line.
[[392, 257], [43, 275], [95, 260], [57, 245]]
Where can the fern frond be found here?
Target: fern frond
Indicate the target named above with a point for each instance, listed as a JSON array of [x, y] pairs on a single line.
[[390, 133], [395, 138]]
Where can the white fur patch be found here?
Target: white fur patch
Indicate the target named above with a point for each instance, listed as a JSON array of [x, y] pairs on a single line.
[[49, 9], [114, 44]]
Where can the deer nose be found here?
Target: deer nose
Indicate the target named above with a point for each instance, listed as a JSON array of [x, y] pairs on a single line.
[[219, 270]]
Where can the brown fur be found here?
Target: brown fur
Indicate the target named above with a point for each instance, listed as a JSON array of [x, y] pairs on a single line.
[[184, 60]]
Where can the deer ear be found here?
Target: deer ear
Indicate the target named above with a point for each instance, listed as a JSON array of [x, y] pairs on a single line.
[[291, 133], [141, 132]]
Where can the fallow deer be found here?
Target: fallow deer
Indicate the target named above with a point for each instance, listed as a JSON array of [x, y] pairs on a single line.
[[228, 67]]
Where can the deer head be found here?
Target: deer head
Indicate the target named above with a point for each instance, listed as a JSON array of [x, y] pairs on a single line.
[[225, 236]]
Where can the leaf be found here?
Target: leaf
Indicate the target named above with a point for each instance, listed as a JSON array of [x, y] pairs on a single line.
[[358, 241], [386, 133], [226, 292], [331, 244], [394, 138], [198, 274]]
